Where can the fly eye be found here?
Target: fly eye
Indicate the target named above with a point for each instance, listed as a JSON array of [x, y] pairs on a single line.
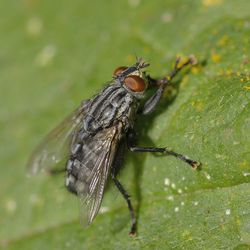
[[135, 83], [119, 70]]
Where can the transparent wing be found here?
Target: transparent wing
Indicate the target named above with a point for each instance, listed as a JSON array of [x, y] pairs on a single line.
[[101, 152], [55, 146]]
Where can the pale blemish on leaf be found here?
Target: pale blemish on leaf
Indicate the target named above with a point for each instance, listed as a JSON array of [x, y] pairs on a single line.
[[211, 3], [176, 209], [166, 17], [46, 56], [245, 174], [170, 197], [134, 3], [34, 26], [11, 206], [220, 156], [196, 203], [36, 200], [166, 182], [208, 176], [179, 190], [104, 210]]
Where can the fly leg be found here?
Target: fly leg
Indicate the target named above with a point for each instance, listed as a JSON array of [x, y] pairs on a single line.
[[192, 163], [163, 150], [114, 172], [163, 83], [130, 207]]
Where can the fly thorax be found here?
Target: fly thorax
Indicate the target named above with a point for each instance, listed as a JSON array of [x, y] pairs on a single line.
[[125, 105], [128, 111]]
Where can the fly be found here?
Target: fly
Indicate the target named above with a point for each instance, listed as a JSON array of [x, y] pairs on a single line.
[[92, 140]]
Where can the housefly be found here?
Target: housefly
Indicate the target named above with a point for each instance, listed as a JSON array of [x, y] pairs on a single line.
[[91, 141]]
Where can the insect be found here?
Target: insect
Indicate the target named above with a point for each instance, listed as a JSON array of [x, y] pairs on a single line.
[[91, 141]]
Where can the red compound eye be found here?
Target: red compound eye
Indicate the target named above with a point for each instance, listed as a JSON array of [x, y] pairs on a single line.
[[135, 83], [119, 70]]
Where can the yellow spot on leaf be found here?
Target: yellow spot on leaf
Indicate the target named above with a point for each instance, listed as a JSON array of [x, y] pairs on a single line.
[[238, 222], [187, 235], [246, 87], [215, 57], [229, 72], [244, 164], [198, 105], [223, 40], [196, 69]]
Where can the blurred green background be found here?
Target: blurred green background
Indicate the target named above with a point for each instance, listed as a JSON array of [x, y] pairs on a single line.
[[53, 54]]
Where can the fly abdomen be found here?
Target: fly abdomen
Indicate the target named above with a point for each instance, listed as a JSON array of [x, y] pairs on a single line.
[[77, 172], [80, 165]]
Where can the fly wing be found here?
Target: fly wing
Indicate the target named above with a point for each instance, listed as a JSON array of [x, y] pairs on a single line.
[[55, 146], [100, 155]]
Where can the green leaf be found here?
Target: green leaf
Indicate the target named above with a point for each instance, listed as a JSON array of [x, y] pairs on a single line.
[[56, 53]]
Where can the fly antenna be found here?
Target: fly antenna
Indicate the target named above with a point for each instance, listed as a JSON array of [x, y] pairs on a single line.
[[140, 64]]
